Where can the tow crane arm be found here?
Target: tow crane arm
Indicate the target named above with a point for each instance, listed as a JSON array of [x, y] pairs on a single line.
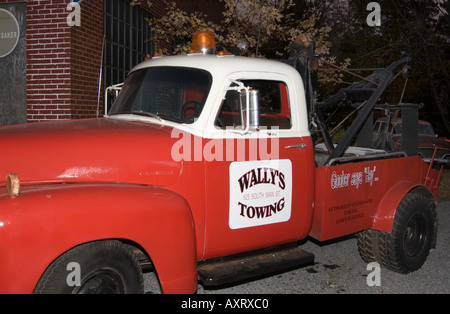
[[372, 88], [366, 92]]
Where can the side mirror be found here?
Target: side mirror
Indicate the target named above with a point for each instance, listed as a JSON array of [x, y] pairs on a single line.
[[249, 107], [250, 110], [111, 95]]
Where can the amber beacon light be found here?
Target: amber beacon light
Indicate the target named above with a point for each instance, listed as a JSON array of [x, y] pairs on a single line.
[[203, 42]]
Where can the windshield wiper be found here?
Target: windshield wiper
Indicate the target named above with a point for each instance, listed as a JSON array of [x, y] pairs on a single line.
[[144, 113]]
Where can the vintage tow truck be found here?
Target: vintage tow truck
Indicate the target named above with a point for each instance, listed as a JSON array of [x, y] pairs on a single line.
[[204, 170]]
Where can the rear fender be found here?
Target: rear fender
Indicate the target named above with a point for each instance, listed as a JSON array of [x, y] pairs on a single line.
[[45, 222], [387, 208]]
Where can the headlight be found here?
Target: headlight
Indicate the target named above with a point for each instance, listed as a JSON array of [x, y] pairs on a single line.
[[13, 184]]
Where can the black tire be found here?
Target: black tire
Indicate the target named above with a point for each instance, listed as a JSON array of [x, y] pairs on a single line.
[[407, 247], [106, 267], [368, 245]]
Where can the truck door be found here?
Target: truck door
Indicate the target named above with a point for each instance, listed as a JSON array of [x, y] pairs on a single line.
[[259, 184]]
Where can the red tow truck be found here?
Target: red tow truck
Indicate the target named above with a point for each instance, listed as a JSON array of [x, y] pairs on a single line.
[[204, 170]]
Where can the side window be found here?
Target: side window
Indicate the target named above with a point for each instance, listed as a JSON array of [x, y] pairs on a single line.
[[274, 110]]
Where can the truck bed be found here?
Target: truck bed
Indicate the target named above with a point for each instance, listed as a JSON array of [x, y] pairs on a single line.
[[352, 154], [351, 190]]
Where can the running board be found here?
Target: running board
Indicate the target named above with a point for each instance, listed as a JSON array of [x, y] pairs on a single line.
[[224, 271]]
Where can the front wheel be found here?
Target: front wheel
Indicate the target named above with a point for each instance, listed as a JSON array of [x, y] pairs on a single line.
[[106, 267], [406, 248]]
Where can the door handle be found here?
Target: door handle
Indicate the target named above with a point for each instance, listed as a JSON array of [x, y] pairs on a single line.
[[299, 146]]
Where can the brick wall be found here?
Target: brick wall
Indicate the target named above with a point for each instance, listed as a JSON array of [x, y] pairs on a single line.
[[48, 61], [63, 62], [86, 55]]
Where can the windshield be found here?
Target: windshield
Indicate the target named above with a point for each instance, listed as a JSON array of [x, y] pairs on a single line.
[[169, 93], [426, 129]]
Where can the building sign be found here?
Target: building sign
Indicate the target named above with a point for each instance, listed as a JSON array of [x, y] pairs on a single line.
[[13, 63], [9, 33]]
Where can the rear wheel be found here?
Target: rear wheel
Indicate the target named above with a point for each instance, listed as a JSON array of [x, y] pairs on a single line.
[[106, 267], [406, 248]]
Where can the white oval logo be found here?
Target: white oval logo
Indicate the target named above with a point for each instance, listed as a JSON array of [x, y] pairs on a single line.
[[9, 33]]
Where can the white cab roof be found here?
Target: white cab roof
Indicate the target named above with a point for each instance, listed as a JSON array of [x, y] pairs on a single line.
[[225, 69]]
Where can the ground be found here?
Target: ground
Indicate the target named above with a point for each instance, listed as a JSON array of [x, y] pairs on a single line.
[[444, 186]]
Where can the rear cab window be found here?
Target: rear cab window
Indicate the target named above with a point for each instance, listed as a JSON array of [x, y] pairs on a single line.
[[274, 111]]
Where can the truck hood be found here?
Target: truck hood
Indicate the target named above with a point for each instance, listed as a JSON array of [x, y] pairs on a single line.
[[431, 141], [95, 150]]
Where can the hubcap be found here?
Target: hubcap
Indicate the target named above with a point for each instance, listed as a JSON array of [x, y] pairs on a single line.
[[415, 235], [104, 281]]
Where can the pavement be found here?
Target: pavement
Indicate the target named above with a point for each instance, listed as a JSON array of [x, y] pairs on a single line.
[[338, 269]]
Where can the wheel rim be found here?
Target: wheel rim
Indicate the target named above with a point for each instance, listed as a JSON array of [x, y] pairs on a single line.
[[102, 282], [415, 235]]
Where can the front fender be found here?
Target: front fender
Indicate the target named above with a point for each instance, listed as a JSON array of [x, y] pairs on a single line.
[[46, 221]]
